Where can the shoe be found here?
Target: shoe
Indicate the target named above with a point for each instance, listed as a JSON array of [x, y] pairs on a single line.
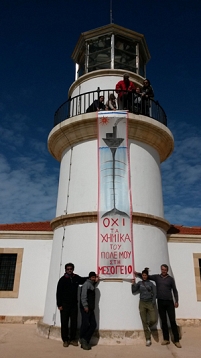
[[74, 343], [177, 344], [148, 342], [164, 343], [85, 345], [65, 344], [81, 341]]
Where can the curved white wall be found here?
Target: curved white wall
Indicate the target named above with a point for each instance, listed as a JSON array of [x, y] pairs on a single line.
[[146, 179], [83, 184], [55, 272], [83, 181], [104, 82], [79, 247]]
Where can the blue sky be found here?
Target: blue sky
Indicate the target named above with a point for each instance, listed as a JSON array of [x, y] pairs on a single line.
[[37, 38]]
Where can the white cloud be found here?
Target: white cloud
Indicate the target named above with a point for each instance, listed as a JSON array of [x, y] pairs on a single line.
[[28, 179], [181, 176], [186, 216], [27, 193]]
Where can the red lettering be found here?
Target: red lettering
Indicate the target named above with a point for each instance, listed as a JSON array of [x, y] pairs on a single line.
[[112, 270], [106, 222], [130, 269], [115, 270], [115, 222]]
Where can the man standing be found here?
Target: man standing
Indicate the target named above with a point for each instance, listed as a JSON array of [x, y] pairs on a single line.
[[147, 303], [87, 306], [124, 88], [66, 295], [165, 285]]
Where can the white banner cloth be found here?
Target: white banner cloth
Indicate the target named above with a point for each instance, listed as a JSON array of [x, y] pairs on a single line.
[[115, 241]]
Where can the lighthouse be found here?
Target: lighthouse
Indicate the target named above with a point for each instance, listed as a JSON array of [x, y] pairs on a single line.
[[109, 215]]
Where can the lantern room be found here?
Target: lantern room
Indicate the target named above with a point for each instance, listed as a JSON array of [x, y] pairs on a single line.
[[111, 47]]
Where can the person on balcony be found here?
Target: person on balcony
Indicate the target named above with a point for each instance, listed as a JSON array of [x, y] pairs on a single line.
[[137, 96], [125, 88], [97, 105], [111, 104], [147, 94]]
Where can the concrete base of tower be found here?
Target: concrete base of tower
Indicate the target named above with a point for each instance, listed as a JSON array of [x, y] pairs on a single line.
[[102, 337]]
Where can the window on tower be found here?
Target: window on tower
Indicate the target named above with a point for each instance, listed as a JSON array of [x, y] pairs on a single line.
[[141, 66], [99, 53], [125, 53]]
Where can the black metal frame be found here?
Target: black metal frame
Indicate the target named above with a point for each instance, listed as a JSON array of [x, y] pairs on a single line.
[[77, 105]]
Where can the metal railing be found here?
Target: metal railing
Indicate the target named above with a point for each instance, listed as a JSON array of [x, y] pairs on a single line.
[[80, 103]]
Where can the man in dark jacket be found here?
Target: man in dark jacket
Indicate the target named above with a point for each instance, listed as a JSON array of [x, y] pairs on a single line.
[[165, 285], [87, 306], [66, 295]]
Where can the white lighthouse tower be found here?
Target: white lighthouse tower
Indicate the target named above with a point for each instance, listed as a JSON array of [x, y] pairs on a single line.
[[101, 58]]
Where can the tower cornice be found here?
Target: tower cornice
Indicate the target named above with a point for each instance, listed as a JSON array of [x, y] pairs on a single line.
[[92, 217], [82, 128]]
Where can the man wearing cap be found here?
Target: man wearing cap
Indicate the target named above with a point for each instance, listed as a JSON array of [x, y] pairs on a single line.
[[124, 88], [87, 306]]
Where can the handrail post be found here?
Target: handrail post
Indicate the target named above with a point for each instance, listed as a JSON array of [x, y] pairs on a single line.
[[69, 105]]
